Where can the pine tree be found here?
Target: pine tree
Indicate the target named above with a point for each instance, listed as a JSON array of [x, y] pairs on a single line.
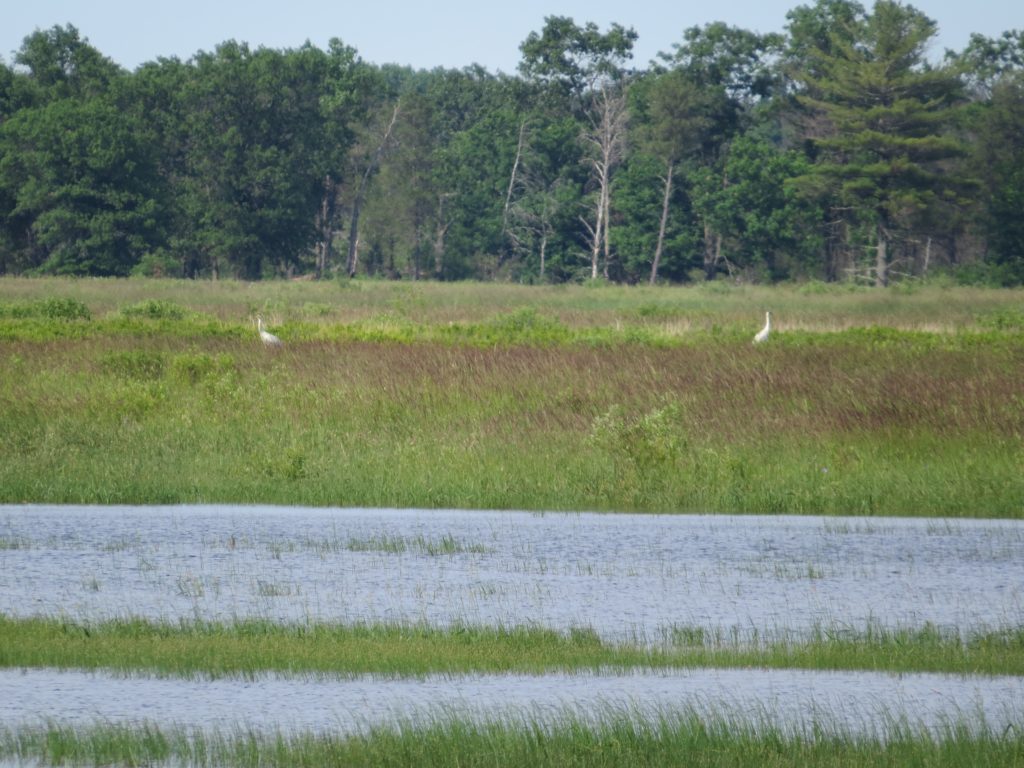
[[882, 151]]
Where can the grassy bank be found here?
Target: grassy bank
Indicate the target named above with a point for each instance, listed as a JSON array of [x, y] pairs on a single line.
[[252, 647], [688, 739], [883, 402]]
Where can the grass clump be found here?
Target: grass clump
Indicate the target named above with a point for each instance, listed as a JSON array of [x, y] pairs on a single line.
[[446, 545]]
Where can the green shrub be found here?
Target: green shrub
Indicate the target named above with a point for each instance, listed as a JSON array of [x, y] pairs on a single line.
[[63, 309]]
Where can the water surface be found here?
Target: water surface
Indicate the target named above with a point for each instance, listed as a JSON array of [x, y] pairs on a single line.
[[790, 700], [626, 576]]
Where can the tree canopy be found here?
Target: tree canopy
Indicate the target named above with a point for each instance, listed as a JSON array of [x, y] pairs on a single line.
[[837, 150]]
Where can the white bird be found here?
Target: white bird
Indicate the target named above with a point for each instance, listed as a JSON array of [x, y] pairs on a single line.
[[762, 335], [268, 338]]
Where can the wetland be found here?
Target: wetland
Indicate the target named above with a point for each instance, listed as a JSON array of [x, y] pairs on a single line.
[[365, 545]]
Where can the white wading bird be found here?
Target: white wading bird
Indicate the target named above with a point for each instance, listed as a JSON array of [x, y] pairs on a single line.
[[268, 338], [762, 335]]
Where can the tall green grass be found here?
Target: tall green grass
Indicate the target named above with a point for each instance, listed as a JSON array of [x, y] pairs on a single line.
[[509, 397], [249, 648], [689, 739]]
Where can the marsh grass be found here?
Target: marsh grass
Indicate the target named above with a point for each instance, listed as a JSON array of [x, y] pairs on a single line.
[[706, 307], [249, 648], [446, 545], [482, 396], [609, 739]]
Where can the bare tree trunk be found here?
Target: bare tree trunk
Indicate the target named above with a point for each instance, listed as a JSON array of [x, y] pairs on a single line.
[[605, 239], [439, 235], [663, 223], [353, 240], [881, 259], [543, 249], [325, 223], [357, 202], [512, 178], [711, 252], [595, 255]]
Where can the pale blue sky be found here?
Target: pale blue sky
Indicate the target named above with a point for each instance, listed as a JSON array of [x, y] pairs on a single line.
[[427, 33]]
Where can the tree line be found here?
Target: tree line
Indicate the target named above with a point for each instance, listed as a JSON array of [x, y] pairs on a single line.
[[837, 150]]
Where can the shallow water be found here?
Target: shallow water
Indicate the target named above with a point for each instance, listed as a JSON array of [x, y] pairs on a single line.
[[790, 700], [626, 576]]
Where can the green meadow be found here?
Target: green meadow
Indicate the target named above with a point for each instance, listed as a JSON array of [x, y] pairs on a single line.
[[903, 401]]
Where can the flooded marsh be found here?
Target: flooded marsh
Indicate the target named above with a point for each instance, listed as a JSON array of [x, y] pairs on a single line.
[[654, 582]]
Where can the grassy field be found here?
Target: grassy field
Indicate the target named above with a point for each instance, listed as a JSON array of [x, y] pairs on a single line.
[[895, 402]]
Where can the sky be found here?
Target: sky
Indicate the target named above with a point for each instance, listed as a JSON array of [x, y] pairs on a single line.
[[425, 34]]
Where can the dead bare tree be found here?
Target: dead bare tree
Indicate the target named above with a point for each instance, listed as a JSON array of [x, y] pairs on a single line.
[[513, 177], [663, 221], [606, 139]]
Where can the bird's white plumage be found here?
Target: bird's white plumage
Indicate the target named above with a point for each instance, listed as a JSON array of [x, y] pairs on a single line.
[[268, 338], [762, 335]]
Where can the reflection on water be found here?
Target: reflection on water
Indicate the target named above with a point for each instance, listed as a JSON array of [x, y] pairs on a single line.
[[626, 576], [791, 700]]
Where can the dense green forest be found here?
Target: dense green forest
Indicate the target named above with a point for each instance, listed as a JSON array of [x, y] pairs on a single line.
[[844, 149]]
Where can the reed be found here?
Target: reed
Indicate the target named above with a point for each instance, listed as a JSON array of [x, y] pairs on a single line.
[[249, 648], [612, 739]]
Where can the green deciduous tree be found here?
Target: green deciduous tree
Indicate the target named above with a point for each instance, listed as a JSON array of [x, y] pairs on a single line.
[[62, 64], [78, 179], [82, 187], [673, 127], [251, 181], [732, 70]]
